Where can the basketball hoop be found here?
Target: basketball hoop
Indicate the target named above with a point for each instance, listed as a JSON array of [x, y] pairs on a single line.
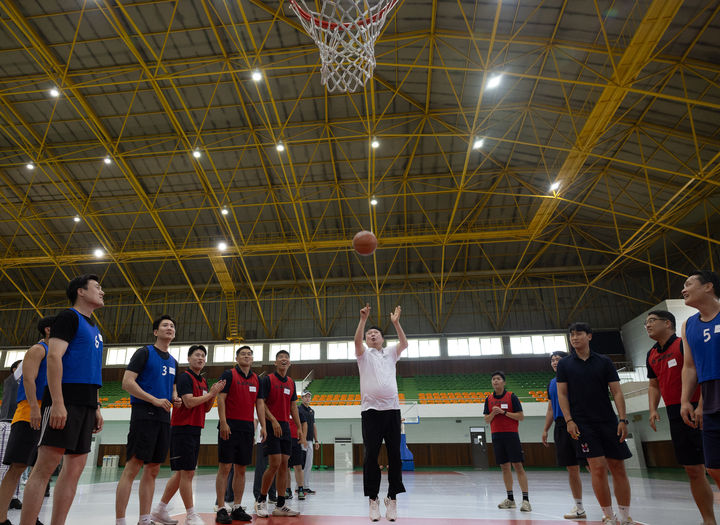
[[345, 31]]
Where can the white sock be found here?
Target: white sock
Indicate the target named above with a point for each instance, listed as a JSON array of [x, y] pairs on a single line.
[[190, 511], [579, 505], [235, 506], [607, 511], [120, 521], [145, 519], [624, 512], [162, 505]]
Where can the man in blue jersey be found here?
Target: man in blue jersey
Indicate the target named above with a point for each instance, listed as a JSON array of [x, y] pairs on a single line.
[[701, 335], [150, 380], [25, 430], [71, 408], [564, 446]]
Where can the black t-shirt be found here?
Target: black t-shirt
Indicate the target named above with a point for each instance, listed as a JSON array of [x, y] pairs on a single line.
[[184, 383], [587, 384], [309, 414], [65, 327], [141, 409]]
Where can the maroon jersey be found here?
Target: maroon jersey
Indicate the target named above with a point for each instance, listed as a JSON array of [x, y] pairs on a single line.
[[241, 396], [666, 364], [184, 416], [278, 393], [502, 423]]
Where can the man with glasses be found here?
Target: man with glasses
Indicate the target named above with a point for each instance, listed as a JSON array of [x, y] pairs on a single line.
[[664, 369]]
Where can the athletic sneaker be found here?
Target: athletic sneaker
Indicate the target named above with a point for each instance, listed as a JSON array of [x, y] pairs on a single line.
[[609, 521], [239, 514], [194, 519], [391, 509], [161, 517], [288, 494], [301, 494], [507, 504], [628, 521], [222, 516], [375, 509], [525, 506], [309, 491], [261, 509], [575, 514], [284, 511]]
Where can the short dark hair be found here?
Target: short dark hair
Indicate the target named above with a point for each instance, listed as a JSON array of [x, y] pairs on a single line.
[[79, 282], [156, 322], [243, 347], [375, 327], [498, 373], [706, 276], [558, 353], [663, 314], [15, 365], [192, 349], [282, 352], [580, 327], [43, 323]]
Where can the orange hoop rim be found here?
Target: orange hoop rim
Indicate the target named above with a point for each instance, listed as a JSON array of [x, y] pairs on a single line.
[[334, 25]]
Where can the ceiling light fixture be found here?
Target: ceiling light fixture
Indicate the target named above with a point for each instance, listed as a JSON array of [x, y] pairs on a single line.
[[54, 92], [373, 201], [76, 218], [197, 154], [494, 81], [478, 143], [224, 211], [256, 76], [222, 246], [98, 253], [107, 160], [375, 144], [280, 147], [554, 186], [30, 166]]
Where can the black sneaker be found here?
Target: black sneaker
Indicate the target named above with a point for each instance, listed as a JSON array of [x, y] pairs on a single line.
[[15, 504], [223, 517], [309, 491], [288, 494], [239, 514]]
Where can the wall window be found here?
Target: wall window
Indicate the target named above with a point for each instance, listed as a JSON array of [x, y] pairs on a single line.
[[537, 344], [13, 355], [226, 353], [180, 353], [119, 355], [341, 350], [298, 351], [474, 346], [422, 348]]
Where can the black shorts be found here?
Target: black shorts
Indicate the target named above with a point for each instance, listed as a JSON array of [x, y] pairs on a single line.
[[564, 445], [76, 436], [601, 440], [148, 440], [687, 442], [277, 445], [184, 447], [297, 454], [22, 444], [237, 449], [507, 447], [711, 440]]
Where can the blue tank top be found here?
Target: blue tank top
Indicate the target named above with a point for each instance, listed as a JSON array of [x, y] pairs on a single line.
[[704, 341], [553, 396], [158, 376], [40, 380], [82, 362]]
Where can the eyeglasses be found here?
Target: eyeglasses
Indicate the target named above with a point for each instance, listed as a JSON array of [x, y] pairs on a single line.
[[651, 320]]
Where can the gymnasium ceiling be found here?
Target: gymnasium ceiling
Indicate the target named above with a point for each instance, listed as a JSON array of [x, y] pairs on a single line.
[[617, 102]]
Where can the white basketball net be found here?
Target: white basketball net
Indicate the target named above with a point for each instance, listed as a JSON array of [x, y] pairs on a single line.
[[345, 31]]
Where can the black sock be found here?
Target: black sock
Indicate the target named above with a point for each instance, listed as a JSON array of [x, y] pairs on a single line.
[[510, 495], [280, 502], [525, 496], [262, 497], [374, 498], [300, 488], [392, 496]]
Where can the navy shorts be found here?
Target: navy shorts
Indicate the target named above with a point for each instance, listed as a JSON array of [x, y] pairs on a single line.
[[601, 440], [507, 447], [278, 445], [564, 445], [711, 439]]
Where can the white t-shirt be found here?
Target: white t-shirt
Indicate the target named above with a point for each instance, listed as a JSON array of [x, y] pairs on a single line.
[[378, 384]]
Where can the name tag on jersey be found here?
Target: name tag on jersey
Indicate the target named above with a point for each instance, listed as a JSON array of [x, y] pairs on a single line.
[[204, 392], [286, 391], [672, 363], [252, 389], [717, 328], [172, 370], [504, 406]]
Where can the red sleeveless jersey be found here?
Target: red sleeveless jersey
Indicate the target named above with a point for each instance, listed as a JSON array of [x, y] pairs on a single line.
[[502, 423], [184, 416], [667, 366], [240, 400], [279, 397]]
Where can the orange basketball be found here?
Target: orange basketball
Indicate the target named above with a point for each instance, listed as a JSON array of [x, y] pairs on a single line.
[[364, 242]]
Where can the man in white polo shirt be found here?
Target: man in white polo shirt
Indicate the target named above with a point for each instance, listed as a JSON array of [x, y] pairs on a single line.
[[380, 410]]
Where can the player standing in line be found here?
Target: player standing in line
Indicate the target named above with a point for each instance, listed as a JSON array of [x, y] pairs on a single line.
[[564, 446], [380, 410], [297, 457], [311, 438], [186, 424], [150, 381], [11, 386], [71, 407], [504, 412], [237, 403]]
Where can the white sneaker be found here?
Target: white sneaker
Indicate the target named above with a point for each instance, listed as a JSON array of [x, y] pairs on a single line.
[[161, 517], [575, 514], [194, 519], [607, 520], [525, 506], [285, 511], [261, 509], [507, 504], [375, 509], [628, 521], [391, 508]]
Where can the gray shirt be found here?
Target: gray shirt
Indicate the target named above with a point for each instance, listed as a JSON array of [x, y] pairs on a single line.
[[9, 399]]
